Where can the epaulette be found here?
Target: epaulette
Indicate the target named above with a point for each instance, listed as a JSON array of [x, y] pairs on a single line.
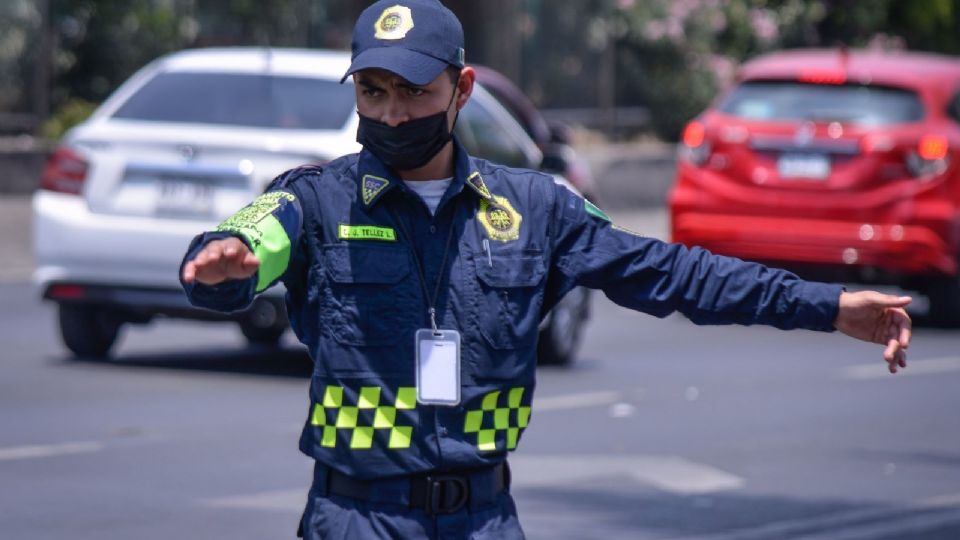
[[294, 174]]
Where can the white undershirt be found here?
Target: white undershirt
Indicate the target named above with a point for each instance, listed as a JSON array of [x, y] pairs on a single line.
[[431, 191]]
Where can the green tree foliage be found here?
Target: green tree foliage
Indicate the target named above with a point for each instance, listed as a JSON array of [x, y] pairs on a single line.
[[670, 56], [99, 43], [677, 54], [19, 20]]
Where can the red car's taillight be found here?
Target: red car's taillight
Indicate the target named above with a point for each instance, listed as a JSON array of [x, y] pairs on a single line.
[[65, 172], [930, 157], [695, 147]]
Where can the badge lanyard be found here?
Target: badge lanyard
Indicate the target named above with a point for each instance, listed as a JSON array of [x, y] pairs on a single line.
[[437, 351]]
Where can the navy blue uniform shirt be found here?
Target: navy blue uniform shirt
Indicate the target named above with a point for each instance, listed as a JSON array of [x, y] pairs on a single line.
[[362, 260]]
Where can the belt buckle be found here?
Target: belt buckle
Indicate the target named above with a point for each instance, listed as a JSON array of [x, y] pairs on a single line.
[[446, 494]]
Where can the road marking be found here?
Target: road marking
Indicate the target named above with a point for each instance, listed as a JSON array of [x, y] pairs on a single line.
[[878, 370], [575, 401], [667, 473], [287, 500], [48, 450], [888, 520]]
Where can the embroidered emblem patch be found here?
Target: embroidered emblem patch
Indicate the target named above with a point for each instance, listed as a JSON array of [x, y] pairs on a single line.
[[250, 215], [476, 182], [499, 219], [394, 23], [372, 186], [365, 232]]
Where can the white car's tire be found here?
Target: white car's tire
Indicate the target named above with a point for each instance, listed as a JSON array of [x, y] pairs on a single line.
[[561, 336], [259, 335], [88, 331]]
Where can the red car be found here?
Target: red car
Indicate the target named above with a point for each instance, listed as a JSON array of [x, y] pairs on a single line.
[[840, 165]]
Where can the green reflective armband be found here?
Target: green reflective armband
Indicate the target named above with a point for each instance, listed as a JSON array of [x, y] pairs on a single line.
[[259, 226]]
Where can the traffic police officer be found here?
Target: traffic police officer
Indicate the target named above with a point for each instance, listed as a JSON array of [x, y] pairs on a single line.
[[416, 276]]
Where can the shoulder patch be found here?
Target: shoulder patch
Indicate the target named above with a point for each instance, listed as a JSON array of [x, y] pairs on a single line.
[[594, 211]]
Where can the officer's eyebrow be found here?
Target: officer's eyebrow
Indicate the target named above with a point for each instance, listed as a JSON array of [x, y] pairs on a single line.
[[367, 83], [394, 81]]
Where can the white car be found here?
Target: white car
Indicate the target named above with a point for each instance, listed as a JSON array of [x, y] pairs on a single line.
[[184, 143]]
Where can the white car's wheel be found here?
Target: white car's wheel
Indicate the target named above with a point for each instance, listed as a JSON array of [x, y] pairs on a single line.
[[88, 331], [260, 335], [560, 338]]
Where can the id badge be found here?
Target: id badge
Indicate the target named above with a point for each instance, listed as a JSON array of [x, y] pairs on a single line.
[[438, 366]]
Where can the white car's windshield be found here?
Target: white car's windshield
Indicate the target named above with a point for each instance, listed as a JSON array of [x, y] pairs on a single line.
[[253, 100]]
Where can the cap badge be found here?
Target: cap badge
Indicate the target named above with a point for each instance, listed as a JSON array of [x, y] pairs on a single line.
[[394, 23]]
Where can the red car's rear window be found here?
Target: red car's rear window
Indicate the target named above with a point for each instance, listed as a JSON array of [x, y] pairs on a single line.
[[852, 104]]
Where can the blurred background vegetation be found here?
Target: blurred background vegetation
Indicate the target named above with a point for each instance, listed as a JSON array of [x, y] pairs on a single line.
[[625, 66]]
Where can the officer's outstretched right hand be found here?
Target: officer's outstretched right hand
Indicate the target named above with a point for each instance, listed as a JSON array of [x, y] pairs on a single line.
[[221, 260]]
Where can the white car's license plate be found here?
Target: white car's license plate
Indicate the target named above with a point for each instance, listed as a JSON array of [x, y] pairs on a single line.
[[184, 196], [809, 166]]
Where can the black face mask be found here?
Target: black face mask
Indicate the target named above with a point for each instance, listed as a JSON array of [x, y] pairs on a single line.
[[408, 146]]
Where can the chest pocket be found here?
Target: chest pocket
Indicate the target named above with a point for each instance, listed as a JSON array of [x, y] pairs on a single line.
[[510, 298], [371, 299]]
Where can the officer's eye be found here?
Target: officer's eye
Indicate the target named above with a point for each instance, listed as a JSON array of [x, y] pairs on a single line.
[[371, 92], [414, 91]]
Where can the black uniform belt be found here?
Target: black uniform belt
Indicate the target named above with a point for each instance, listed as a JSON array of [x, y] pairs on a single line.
[[435, 493]]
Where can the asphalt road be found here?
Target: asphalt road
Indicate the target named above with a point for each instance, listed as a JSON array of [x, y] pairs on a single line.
[[662, 430]]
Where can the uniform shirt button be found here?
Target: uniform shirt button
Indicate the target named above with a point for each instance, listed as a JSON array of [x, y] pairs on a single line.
[[433, 229]]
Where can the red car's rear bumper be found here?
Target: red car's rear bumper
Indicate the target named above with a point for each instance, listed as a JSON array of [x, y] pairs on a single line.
[[893, 231], [899, 249]]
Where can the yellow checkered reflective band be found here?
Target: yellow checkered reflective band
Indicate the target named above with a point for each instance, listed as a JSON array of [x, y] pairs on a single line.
[[499, 420], [364, 419]]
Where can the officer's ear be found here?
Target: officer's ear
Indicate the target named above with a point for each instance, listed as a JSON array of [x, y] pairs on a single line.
[[465, 86]]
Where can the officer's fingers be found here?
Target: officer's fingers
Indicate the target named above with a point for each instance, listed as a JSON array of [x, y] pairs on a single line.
[[890, 351], [189, 272], [210, 254], [251, 263], [237, 258], [895, 356], [209, 264], [241, 267], [214, 252], [233, 247], [904, 327]]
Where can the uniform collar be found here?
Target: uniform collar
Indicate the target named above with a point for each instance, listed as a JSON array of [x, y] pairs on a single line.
[[376, 179]]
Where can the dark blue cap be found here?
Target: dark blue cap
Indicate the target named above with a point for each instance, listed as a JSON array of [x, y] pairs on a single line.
[[416, 39]]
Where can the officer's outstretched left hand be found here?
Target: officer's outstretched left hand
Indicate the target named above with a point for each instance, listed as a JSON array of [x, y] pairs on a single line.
[[877, 318]]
